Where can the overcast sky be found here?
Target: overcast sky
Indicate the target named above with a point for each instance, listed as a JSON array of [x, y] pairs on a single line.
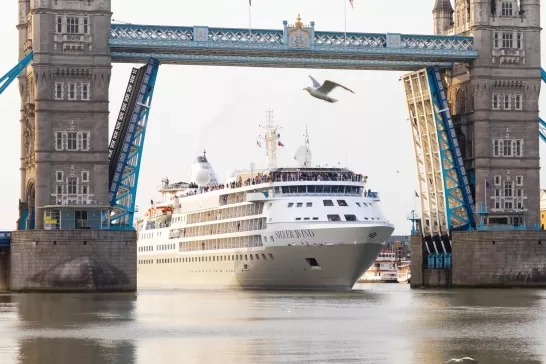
[[219, 108]]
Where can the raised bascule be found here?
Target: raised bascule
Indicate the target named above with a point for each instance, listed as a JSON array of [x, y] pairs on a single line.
[[472, 97]]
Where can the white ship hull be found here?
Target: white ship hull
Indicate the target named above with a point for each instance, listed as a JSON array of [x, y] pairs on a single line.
[[338, 265]]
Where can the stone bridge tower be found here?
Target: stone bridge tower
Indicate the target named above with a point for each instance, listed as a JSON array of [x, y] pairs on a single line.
[[64, 112], [62, 241], [494, 103]]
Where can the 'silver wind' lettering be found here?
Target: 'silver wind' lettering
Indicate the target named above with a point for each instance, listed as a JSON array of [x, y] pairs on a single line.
[[294, 234]]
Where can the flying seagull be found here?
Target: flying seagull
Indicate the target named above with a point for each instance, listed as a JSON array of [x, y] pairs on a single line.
[[460, 360], [321, 91]]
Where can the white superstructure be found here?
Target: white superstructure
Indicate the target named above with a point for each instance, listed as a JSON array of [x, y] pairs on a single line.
[[295, 227]]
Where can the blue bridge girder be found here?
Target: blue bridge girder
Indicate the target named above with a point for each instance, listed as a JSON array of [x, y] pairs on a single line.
[[201, 45], [127, 143], [12, 74]]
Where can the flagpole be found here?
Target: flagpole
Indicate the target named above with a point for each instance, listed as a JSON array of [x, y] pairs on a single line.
[[345, 16], [249, 21]]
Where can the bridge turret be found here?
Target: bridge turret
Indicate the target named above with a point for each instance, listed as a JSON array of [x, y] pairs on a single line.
[[64, 158], [443, 16]]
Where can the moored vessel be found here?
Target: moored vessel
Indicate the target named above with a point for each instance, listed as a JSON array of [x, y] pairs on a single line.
[[383, 269], [404, 272], [296, 227]]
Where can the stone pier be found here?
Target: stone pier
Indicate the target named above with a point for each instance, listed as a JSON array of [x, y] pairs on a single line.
[[486, 259], [73, 260]]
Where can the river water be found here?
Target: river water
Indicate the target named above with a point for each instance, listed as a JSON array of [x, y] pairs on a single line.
[[376, 323]]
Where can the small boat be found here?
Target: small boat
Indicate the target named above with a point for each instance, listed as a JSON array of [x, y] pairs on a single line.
[[383, 270], [404, 272]]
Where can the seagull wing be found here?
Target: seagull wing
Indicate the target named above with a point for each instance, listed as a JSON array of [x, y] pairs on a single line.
[[315, 82], [328, 86]]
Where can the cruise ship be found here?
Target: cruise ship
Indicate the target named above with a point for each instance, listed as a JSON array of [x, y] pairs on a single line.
[[300, 227]]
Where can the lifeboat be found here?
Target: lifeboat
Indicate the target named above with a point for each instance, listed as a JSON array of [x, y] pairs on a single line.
[[159, 214]]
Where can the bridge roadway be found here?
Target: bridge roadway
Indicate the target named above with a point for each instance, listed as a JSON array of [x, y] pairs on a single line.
[[294, 46]]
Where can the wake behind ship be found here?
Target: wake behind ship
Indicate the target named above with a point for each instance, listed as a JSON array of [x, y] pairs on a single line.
[[301, 227]]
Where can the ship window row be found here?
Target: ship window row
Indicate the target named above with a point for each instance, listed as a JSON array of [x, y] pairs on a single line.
[[220, 228], [146, 248], [300, 204], [214, 258], [150, 235], [163, 247], [334, 217], [320, 190], [238, 242], [227, 213]]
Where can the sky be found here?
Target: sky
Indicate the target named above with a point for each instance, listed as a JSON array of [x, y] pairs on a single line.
[[219, 108]]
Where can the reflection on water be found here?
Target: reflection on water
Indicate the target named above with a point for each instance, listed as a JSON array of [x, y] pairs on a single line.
[[376, 324]]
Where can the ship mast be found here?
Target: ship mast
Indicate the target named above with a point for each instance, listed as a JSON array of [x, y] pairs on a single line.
[[306, 162], [271, 139]]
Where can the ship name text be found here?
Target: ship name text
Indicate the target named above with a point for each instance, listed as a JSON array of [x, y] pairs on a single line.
[[294, 234]]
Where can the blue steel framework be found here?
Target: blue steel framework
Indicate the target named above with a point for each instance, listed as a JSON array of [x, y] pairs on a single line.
[[12, 74], [446, 198], [127, 143]]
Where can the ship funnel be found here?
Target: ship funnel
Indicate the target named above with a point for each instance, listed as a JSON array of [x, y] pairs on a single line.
[[201, 172]]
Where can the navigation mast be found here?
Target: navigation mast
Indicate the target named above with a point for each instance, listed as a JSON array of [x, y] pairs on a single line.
[[306, 161], [271, 139]]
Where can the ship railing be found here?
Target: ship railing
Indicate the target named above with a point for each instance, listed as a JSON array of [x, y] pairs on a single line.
[[176, 234]]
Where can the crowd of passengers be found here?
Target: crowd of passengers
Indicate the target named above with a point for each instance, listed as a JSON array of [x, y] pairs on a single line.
[[279, 177], [315, 176]]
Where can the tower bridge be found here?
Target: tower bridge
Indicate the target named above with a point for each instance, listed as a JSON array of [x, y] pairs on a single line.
[[472, 97]]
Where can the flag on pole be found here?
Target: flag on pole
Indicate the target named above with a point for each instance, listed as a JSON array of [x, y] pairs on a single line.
[[350, 2], [280, 144], [487, 185], [416, 194], [259, 144]]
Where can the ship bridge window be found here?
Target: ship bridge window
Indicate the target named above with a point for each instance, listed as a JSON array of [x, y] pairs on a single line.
[[358, 204], [302, 189], [306, 218], [315, 218], [333, 217], [328, 203], [309, 204], [350, 218], [290, 204], [300, 204], [298, 218], [342, 203]]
